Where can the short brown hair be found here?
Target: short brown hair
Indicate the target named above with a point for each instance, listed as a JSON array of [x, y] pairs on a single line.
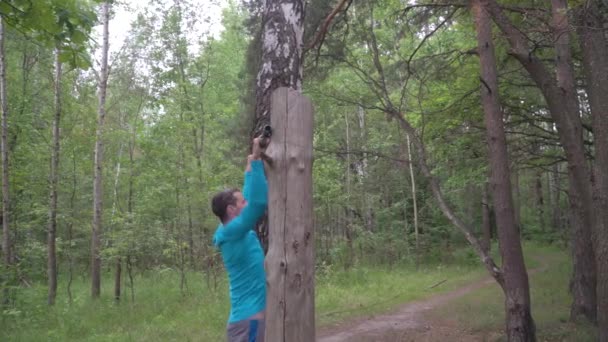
[[221, 201]]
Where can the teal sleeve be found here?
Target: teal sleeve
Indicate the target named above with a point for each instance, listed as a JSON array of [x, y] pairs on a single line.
[[255, 191], [247, 185]]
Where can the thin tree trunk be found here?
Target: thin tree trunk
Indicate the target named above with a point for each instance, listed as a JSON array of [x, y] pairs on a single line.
[[363, 173], [118, 272], [130, 273], [130, 208], [179, 236], [595, 50], [190, 224], [556, 191], [413, 180], [561, 98], [98, 181], [117, 279], [70, 226], [348, 262], [52, 229], [540, 202], [6, 238], [198, 152], [519, 322]]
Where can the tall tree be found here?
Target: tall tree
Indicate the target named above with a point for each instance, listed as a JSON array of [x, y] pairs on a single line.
[[54, 177], [519, 323], [98, 180], [591, 28], [6, 238], [560, 94]]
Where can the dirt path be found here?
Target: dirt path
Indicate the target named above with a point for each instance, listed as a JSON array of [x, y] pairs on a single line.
[[408, 322]]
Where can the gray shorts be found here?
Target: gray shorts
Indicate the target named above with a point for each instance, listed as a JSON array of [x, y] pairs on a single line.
[[248, 330]]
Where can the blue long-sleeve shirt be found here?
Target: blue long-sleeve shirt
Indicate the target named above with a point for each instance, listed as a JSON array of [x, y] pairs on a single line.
[[241, 250]]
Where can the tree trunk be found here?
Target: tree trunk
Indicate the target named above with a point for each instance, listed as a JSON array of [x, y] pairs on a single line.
[[281, 64], [486, 225], [52, 230], [556, 190], [561, 99], [130, 210], [98, 181], [118, 271], [348, 213], [70, 227], [290, 262], [584, 276], [517, 198], [519, 322], [595, 50], [362, 166], [415, 208], [117, 279], [540, 202], [6, 238], [198, 152]]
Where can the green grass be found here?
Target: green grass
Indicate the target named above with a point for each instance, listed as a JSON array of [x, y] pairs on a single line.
[[365, 291], [483, 311], [162, 313]]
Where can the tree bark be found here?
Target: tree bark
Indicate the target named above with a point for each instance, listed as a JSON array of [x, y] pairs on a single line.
[[486, 225], [98, 181], [561, 99], [555, 190], [415, 208], [70, 228], [52, 229], [290, 262], [519, 322], [281, 64], [6, 238], [540, 202], [517, 197], [348, 212], [584, 274], [595, 50]]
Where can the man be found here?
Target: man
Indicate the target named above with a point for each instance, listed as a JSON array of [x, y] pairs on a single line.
[[241, 250]]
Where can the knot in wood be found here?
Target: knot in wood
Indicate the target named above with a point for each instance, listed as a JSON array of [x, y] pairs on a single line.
[[295, 246]]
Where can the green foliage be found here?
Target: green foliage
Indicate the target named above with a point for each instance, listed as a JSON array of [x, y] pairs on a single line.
[[64, 24], [177, 130]]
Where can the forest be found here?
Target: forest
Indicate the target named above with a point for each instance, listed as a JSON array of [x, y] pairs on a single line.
[[455, 142]]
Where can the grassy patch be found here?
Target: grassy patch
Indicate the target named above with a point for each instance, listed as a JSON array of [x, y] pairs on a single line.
[[364, 291], [483, 311], [161, 312]]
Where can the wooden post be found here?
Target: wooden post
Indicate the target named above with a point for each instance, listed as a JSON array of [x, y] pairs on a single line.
[[290, 260]]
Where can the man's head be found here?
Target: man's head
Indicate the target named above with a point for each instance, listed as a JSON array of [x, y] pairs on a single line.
[[228, 204]]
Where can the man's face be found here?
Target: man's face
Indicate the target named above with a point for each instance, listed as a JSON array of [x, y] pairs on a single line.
[[235, 210]]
